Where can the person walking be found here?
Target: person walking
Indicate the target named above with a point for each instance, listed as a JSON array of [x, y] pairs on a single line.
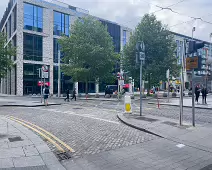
[[197, 93], [46, 95], [67, 95], [74, 95], [204, 95]]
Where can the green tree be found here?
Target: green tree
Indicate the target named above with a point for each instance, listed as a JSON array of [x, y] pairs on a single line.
[[5, 54], [89, 51], [159, 46]]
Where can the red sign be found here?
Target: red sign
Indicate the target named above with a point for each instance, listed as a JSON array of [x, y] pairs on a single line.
[[40, 83]]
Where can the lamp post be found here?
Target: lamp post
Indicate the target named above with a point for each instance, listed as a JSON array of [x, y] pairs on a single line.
[[193, 107]]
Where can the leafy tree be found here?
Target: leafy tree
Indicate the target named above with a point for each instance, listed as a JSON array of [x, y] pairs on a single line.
[[159, 49], [5, 54], [89, 51]]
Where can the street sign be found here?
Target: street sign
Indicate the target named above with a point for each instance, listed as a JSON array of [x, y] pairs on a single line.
[[142, 56], [167, 74], [191, 63], [45, 75], [40, 83], [121, 82], [45, 68]]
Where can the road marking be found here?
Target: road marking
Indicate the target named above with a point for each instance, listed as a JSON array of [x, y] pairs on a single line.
[[50, 134], [40, 133], [82, 115], [180, 145]]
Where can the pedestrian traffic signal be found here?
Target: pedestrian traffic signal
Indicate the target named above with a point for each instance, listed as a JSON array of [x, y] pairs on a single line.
[[194, 46]]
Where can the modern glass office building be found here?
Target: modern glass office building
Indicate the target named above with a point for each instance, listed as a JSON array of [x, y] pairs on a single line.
[[34, 27]]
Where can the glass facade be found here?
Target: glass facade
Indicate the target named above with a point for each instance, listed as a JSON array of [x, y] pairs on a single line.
[[61, 24], [124, 37], [31, 79], [33, 47], [56, 48], [66, 82], [33, 17], [115, 32]]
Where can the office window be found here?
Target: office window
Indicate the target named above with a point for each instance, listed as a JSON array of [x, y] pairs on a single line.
[[33, 17], [33, 47], [56, 48], [61, 24], [124, 37], [15, 18]]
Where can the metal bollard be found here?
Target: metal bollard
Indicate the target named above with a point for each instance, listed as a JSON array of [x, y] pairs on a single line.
[[127, 102]]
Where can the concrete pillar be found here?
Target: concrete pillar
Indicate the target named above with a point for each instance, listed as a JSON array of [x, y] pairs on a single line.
[[76, 87], [97, 86]]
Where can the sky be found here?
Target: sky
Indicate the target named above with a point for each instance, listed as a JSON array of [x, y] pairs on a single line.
[[129, 13]]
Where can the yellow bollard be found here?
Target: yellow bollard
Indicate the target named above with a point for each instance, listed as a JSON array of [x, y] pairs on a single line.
[[127, 102]]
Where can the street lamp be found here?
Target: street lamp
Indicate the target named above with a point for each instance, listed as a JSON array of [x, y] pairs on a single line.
[[193, 107]]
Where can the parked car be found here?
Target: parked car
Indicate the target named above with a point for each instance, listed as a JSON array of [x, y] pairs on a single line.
[[110, 89]]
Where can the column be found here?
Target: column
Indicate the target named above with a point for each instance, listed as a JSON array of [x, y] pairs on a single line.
[[76, 87]]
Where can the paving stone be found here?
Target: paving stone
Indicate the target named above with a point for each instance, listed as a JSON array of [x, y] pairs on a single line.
[[56, 167], [28, 161], [49, 158], [20, 143], [43, 148], [11, 152], [30, 150], [6, 163]]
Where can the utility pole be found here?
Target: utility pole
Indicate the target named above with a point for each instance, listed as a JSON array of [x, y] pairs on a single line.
[[140, 58], [59, 74], [167, 76], [193, 104]]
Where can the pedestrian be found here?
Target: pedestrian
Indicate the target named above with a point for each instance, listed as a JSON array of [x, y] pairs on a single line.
[[178, 89], [74, 94], [197, 93], [67, 95], [46, 95], [204, 95]]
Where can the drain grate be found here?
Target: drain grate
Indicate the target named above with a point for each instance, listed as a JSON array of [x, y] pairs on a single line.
[[15, 139], [147, 119], [209, 167], [77, 108], [64, 156], [170, 123]]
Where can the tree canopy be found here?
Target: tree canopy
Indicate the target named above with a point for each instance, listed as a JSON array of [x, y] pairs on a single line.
[[89, 51], [5, 54], [159, 50]]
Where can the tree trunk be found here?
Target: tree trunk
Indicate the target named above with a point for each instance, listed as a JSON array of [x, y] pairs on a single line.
[[86, 87]]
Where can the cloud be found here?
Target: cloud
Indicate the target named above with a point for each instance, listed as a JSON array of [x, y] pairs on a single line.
[[130, 12]]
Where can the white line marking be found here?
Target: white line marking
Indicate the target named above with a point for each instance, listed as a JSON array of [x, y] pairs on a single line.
[[180, 145], [82, 115]]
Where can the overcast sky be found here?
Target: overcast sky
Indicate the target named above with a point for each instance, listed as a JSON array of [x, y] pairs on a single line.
[[130, 12]]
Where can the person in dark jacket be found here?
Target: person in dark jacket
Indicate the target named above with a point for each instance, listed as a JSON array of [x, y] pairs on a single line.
[[67, 95], [74, 95], [197, 93], [204, 95]]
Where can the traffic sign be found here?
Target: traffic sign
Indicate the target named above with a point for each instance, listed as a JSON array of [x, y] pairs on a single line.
[[45, 75], [191, 63], [45, 68], [40, 83], [142, 56]]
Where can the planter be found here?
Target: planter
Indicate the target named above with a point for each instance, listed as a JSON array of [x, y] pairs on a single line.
[[96, 95], [107, 96], [114, 96], [189, 94], [143, 95], [174, 95], [165, 95]]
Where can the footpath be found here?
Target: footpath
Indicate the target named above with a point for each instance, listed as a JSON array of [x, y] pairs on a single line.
[[194, 143], [187, 102], [21, 149]]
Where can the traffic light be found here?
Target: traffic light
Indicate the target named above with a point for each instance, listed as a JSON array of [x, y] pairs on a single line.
[[193, 46]]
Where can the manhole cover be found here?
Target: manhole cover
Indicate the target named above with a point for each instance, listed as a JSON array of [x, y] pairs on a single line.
[[209, 167], [15, 139], [147, 119]]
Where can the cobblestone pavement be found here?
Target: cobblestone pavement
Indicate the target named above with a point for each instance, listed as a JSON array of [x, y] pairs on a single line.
[[86, 128]]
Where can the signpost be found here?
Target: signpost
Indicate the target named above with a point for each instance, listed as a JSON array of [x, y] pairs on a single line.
[[140, 58], [43, 74], [167, 76]]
